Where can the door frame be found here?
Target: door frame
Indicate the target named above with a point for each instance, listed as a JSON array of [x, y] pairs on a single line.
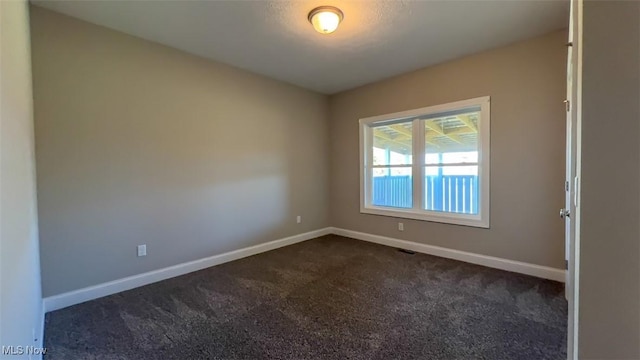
[[575, 113]]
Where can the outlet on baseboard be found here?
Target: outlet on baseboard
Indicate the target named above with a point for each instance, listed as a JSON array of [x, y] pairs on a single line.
[[298, 219], [142, 250], [401, 226]]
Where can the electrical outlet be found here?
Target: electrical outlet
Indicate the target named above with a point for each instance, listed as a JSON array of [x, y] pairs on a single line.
[[401, 226], [298, 219], [142, 250]]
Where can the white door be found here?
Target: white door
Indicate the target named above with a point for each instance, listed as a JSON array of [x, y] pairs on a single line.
[[569, 213]]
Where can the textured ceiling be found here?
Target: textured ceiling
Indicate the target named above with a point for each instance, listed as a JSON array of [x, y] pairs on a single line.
[[376, 40]]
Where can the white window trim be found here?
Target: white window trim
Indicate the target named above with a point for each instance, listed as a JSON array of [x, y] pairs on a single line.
[[482, 219]]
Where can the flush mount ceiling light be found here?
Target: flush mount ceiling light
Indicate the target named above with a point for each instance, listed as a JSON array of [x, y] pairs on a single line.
[[325, 19]]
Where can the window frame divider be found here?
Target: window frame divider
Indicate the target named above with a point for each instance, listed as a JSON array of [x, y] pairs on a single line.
[[417, 139]]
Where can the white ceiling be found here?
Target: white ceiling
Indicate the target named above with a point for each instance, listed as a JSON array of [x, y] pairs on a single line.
[[377, 39]]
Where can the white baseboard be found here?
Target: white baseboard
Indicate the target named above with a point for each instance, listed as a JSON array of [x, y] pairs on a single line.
[[60, 301], [484, 260]]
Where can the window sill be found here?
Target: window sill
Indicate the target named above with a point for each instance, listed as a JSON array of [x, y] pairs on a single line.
[[433, 216]]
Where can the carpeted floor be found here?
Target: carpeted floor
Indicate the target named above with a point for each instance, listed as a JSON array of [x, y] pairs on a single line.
[[327, 298]]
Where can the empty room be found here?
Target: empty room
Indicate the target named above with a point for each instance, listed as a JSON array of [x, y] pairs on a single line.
[[320, 179]]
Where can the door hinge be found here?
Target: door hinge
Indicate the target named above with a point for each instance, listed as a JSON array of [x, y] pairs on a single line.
[[567, 105], [569, 44], [566, 186]]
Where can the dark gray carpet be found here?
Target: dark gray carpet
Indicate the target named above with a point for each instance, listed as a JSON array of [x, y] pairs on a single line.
[[327, 298]]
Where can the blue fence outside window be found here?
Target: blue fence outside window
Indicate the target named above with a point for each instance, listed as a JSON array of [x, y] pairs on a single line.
[[448, 193]]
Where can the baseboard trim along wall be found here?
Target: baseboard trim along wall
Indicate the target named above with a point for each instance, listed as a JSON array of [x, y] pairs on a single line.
[[60, 301], [484, 260], [63, 300]]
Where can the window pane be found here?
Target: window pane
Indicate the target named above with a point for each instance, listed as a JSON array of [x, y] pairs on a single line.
[[452, 138], [451, 158], [460, 157], [451, 189], [392, 144], [392, 187]]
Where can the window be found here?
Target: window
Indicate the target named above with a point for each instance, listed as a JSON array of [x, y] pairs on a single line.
[[428, 164]]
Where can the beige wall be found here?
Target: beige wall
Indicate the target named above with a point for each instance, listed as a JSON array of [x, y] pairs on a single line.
[[138, 143], [609, 326], [20, 299], [526, 82]]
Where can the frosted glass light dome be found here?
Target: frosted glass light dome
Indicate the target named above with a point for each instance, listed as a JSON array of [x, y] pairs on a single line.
[[325, 19]]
